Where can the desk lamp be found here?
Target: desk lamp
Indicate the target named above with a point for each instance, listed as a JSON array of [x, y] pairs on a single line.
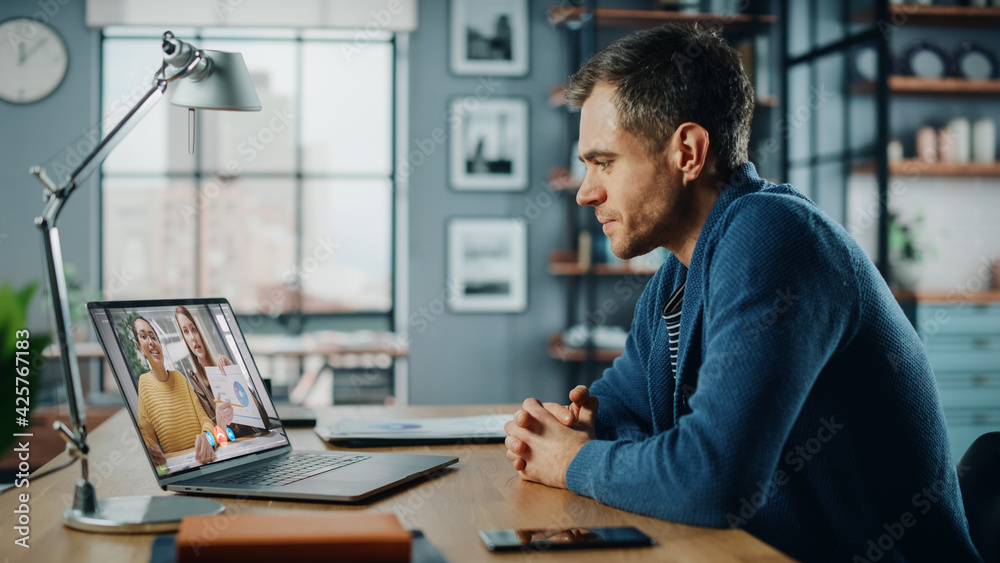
[[202, 80]]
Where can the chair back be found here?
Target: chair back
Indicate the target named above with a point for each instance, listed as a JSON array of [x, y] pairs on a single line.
[[979, 479]]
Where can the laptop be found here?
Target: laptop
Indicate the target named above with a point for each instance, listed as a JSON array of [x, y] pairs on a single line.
[[205, 419]]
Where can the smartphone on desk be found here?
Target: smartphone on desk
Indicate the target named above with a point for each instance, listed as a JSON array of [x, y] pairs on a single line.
[[571, 538]]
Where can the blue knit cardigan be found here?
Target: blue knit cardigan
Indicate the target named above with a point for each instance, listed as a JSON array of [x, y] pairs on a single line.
[[803, 410]]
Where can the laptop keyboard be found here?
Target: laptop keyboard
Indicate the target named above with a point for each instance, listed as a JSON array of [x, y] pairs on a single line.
[[295, 467]]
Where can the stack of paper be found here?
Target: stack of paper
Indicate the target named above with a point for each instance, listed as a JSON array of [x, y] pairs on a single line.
[[467, 429]]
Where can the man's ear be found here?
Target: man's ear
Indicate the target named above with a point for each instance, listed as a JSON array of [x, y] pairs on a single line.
[[691, 150]]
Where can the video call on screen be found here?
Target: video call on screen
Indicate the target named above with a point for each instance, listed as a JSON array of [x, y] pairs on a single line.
[[193, 395]]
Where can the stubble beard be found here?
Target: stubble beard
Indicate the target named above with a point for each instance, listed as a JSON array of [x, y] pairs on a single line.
[[632, 244], [628, 246]]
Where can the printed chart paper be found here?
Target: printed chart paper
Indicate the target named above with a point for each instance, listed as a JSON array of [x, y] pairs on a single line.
[[230, 384]]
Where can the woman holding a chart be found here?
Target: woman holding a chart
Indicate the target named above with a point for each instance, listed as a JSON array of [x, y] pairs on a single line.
[[203, 357]]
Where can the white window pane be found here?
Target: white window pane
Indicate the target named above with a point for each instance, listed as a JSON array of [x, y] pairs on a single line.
[[159, 141], [346, 246], [238, 237], [261, 141], [347, 108], [248, 242], [149, 238]]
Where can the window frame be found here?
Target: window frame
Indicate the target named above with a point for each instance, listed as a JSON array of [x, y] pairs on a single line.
[[296, 322]]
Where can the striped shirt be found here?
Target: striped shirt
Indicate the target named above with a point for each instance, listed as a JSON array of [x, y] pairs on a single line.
[[672, 315]]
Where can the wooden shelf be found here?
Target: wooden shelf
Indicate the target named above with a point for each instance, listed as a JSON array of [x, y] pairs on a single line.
[[565, 263], [935, 16], [613, 17], [912, 85], [561, 180], [623, 269], [558, 350], [913, 167], [987, 297]]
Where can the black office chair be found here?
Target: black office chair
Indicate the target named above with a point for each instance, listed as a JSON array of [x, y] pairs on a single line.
[[979, 479]]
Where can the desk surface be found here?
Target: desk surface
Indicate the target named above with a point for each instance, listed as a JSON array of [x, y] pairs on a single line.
[[482, 492]]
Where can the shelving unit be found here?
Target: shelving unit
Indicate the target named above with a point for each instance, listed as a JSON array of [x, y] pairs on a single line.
[[960, 330], [582, 277]]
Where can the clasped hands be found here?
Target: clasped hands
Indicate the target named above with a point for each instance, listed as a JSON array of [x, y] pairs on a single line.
[[543, 438]]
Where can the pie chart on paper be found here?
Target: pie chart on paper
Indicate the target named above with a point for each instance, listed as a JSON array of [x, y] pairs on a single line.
[[241, 394]]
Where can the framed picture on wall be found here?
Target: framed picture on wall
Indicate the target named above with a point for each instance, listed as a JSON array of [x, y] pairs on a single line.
[[488, 144], [489, 37], [488, 265]]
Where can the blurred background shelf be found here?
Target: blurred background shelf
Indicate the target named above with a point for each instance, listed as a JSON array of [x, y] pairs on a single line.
[[559, 351], [936, 16], [949, 86], [987, 297], [566, 263], [560, 179], [915, 167]]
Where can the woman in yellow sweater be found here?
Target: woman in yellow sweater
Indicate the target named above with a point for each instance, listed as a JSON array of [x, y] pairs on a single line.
[[170, 416]]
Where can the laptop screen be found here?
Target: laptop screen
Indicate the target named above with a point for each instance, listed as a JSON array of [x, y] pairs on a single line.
[[188, 380]]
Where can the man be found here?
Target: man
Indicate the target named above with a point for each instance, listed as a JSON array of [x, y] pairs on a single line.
[[769, 381]]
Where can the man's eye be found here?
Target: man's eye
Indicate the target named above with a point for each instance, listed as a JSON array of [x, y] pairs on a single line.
[[603, 165]]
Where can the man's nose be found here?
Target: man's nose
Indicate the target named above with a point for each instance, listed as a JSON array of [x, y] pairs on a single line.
[[590, 192]]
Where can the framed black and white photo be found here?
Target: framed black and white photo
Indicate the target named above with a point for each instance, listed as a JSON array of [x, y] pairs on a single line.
[[489, 144], [488, 265], [489, 37]]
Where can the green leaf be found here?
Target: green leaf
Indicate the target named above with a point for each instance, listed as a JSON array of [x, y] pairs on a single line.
[[13, 318]]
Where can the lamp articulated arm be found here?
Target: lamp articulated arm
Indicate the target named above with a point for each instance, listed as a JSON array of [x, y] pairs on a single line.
[[186, 63], [230, 88]]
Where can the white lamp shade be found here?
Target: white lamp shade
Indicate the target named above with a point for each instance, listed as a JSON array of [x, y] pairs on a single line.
[[228, 87]]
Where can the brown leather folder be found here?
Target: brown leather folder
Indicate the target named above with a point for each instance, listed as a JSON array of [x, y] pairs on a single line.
[[268, 538]]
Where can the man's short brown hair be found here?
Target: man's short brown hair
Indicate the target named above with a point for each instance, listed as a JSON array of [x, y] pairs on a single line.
[[670, 75]]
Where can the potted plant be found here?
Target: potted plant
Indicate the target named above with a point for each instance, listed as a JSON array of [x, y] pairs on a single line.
[[14, 330], [907, 248]]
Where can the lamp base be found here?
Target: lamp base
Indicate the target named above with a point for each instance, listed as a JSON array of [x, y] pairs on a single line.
[[139, 514]]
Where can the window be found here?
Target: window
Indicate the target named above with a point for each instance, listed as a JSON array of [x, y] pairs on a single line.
[[289, 209]]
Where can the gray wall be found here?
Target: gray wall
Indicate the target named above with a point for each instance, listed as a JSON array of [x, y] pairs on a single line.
[[475, 358], [39, 133], [455, 358]]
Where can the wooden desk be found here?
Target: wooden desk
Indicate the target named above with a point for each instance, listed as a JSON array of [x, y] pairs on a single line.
[[482, 492]]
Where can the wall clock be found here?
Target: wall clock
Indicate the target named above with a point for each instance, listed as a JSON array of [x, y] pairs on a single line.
[[33, 60]]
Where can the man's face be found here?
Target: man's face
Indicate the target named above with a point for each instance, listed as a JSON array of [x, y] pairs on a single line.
[[635, 195]]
